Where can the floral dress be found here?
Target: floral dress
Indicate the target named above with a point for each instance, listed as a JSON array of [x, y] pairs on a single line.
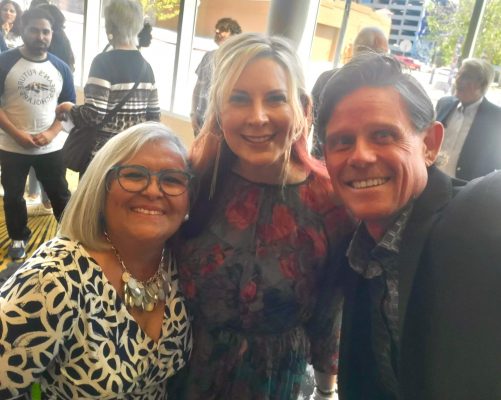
[[63, 325], [253, 280]]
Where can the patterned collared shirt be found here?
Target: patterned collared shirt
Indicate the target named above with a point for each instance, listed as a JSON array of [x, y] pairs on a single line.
[[372, 260]]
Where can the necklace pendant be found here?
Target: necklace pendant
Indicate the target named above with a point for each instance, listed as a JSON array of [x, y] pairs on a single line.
[[138, 301], [152, 289], [144, 295], [125, 277], [132, 283], [126, 296]]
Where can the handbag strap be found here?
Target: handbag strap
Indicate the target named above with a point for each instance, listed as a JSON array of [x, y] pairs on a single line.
[[124, 99]]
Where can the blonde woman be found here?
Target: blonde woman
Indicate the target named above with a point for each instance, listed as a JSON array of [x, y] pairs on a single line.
[[258, 239]]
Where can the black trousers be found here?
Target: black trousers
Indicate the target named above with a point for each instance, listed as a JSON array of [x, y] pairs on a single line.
[[51, 173]]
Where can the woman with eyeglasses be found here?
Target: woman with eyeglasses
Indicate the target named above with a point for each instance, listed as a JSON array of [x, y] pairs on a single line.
[[260, 234], [96, 313]]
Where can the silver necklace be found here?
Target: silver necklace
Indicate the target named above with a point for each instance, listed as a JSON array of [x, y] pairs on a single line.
[[144, 294]]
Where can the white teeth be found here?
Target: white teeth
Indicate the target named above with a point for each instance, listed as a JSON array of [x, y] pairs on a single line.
[[258, 139], [369, 183], [145, 211]]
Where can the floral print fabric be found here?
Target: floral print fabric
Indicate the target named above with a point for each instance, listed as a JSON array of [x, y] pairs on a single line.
[[253, 280]]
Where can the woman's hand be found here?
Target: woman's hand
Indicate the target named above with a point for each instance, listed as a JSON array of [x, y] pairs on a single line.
[[63, 110]]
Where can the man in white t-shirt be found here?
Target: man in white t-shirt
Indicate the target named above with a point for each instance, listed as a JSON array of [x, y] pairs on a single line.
[[32, 83]]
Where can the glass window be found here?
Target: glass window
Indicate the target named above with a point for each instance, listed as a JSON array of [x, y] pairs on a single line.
[[161, 54]]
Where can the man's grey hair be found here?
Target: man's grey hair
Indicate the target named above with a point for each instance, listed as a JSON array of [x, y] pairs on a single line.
[[371, 69], [480, 70], [83, 218], [124, 20], [370, 38]]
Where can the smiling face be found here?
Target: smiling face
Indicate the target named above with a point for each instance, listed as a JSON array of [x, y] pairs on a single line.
[[148, 216], [256, 120], [8, 13], [375, 158]]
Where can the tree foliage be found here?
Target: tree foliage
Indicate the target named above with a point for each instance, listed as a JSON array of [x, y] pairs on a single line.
[[448, 26], [161, 9]]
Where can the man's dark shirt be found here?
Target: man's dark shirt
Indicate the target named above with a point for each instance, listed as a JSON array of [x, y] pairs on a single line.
[[378, 263]]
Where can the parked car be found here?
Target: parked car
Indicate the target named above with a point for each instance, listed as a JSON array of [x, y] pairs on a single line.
[[408, 63]]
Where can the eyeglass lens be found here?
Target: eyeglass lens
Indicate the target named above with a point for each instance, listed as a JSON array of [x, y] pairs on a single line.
[[137, 179]]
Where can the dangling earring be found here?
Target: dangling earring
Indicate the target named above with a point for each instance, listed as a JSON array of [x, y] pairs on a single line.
[[186, 217], [215, 171], [110, 37]]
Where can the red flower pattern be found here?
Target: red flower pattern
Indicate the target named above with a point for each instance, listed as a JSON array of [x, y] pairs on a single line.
[[248, 293], [213, 261], [319, 242], [282, 226], [242, 213], [316, 196], [289, 267]]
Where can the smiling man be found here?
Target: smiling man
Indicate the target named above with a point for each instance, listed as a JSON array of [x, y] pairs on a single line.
[[420, 318]]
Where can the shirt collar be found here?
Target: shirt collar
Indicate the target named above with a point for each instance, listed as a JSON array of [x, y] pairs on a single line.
[[470, 107], [363, 249]]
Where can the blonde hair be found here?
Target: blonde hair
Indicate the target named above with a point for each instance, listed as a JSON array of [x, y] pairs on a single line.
[[83, 218], [230, 60]]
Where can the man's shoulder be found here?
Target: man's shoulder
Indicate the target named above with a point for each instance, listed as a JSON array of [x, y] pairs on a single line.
[[488, 106], [206, 60], [474, 211], [58, 63], [322, 81], [447, 100], [10, 57]]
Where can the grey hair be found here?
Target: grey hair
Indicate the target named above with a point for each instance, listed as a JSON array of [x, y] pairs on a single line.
[[370, 38], [481, 70], [370, 69], [83, 217], [124, 20]]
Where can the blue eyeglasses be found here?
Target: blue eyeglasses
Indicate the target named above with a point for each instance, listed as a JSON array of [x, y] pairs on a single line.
[[136, 178]]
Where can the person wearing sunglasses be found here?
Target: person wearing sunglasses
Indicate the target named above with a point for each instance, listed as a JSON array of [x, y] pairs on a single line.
[[96, 312]]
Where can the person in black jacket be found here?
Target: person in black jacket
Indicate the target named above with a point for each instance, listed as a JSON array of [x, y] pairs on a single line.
[[421, 274], [472, 144]]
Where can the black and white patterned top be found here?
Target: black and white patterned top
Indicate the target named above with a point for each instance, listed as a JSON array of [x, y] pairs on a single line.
[[62, 324]]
